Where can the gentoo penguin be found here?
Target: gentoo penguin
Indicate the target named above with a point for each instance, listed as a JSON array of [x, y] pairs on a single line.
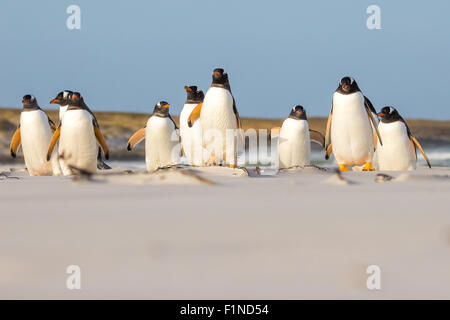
[[218, 114], [162, 141], [34, 133], [294, 148], [349, 132], [63, 101], [399, 151], [191, 137], [78, 135]]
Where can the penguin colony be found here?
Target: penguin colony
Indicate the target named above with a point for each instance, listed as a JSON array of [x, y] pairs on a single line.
[[355, 134]]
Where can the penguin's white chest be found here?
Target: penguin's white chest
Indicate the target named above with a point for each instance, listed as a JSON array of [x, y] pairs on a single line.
[[217, 110], [218, 125], [351, 130], [77, 143], [35, 137], [397, 151], [294, 143], [162, 146], [62, 111], [191, 138]]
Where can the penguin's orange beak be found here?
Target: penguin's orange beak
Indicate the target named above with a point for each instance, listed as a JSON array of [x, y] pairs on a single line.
[[54, 101], [380, 114], [166, 106], [346, 87], [25, 101], [187, 88], [217, 73], [298, 112]]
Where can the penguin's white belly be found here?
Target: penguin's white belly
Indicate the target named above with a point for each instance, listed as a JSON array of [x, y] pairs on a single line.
[[294, 144], [162, 146], [35, 138], [77, 142], [217, 116], [351, 130], [397, 152], [62, 111], [191, 138]]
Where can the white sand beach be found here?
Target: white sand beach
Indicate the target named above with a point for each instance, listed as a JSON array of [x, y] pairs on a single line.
[[216, 233]]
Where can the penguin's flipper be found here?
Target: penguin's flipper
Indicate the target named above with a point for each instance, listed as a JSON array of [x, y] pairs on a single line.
[[137, 137], [52, 124], [328, 152], [53, 142], [236, 113], [101, 140], [328, 130], [418, 146], [317, 137], [374, 123], [15, 143], [173, 121], [368, 104], [195, 114]]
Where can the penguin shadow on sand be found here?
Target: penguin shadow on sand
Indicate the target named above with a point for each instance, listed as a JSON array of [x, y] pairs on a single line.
[[5, 175]]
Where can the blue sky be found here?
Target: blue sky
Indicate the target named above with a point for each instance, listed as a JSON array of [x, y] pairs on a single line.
[[130, 54]]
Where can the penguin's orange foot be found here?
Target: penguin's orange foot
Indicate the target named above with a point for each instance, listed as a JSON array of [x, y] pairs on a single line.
[[342, 167], [233, 166], [368, 167]]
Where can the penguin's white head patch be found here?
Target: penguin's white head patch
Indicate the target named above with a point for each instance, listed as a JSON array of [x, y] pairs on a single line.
[[65, 94], [391, 110]]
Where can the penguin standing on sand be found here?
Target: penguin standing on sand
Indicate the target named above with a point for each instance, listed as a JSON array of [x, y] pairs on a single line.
[[34, 133], [191, 137], [63, 100], [162, 141], [294, 148], [399, 151], [78, 135], [349, 132], [218, 114]]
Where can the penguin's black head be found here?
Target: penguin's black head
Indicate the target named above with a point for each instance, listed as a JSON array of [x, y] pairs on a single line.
[[62, 98], [298, 113], [161, 109], [193, 95], [220, 76], [29, 102], [389, 114], [74, 99], [347, 85]]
